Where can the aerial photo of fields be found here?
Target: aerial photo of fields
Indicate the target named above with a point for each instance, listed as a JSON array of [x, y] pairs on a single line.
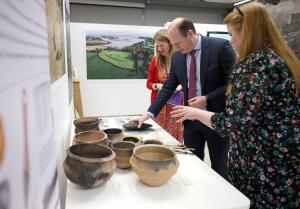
[[118, 56]]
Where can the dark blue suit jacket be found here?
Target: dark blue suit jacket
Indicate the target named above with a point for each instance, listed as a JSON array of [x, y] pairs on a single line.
[[217, 58]]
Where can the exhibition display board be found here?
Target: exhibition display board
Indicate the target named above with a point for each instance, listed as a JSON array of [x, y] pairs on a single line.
[[28, 163]]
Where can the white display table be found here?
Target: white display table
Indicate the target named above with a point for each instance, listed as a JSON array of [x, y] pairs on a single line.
[[194, 186]]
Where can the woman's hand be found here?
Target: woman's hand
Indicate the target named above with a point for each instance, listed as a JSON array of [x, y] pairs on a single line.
[[179, 88], [184, 113], [159, 86], [190, 113]]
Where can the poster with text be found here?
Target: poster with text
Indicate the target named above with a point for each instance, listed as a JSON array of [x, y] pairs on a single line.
[[28, 173]]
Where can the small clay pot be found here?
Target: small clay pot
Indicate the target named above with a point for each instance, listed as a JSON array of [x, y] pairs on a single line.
[[154, 164], [89, 165], [90, 137], [132, 139], [123, 152], [114, 134], [86, 124], [153, 141]]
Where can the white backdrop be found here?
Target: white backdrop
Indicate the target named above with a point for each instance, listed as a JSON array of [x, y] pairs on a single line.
[[116, 96]]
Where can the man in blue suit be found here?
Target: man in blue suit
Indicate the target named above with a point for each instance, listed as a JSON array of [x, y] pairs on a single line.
[[204, 87]]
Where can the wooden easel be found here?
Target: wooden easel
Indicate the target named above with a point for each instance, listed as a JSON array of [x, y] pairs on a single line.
[[77, 98]]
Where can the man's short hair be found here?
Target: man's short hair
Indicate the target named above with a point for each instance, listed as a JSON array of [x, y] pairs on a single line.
[[185, 26]]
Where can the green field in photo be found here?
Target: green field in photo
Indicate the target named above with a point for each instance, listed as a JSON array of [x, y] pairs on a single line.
[[118, 58], [99, 68]]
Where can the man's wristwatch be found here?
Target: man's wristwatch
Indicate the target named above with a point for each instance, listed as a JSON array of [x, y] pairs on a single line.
[[155, 86]]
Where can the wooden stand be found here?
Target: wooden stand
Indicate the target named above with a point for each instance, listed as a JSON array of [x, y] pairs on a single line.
[[77, 97]]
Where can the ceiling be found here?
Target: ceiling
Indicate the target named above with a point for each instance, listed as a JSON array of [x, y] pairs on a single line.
[[222, 4]]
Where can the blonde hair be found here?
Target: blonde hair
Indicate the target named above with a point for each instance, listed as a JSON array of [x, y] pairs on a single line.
[[258, 31], [162, 61]]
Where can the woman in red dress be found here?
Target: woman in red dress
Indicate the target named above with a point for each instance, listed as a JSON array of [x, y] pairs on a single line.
[[157, 75]]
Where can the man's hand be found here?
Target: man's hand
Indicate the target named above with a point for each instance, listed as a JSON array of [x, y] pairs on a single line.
[[198, 102], [141, 119]]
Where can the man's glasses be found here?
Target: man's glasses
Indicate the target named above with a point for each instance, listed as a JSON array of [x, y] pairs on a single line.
[[236, 6]]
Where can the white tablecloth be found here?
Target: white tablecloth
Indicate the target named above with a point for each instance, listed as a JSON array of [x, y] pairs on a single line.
[[194, 186]]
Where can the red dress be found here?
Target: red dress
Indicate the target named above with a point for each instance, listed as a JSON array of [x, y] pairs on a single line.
[[163, 119]]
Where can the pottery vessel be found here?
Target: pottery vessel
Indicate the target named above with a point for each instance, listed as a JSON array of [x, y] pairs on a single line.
[[132, 139], [153, 141], [89, 165], [123, 152], [91, 137], [154, 164], [86, 124], [114, 134]]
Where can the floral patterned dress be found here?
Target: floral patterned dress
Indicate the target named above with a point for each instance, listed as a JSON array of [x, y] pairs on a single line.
[[262, 119], [164, 119]]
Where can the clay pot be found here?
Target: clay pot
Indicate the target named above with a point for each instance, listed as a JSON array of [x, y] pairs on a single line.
[[154, 164], [123, 152], [132, 139], [153, 141], [91, 137], [89, 165], [86, 124], [114, 134]]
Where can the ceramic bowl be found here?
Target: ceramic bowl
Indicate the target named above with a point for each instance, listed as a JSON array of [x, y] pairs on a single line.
[[154, 164], [86, 124], [89, 165], [114, 134], [132, 139], [133, 126], [153, 141], [123, 150], [90, 137]]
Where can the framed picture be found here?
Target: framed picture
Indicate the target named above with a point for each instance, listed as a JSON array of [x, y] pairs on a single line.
[[118, 54]]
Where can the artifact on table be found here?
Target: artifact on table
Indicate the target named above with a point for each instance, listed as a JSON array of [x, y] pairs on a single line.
[[132, 139], [154, 164], [123, 150], [133, 126], [153, 141], [89, 165], [91, 137], [114, 134], [86, 124]]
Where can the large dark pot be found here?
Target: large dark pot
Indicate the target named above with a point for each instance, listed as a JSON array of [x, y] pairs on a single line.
[[89, 165]]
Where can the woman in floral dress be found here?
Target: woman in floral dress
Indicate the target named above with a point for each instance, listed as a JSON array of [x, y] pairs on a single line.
[[262, 115]]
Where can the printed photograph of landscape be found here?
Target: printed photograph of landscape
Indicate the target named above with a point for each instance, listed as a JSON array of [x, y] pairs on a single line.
[[118, 55]]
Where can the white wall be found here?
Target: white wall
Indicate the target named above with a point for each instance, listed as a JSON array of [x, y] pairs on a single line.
[[63, 115], [113, 97]]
